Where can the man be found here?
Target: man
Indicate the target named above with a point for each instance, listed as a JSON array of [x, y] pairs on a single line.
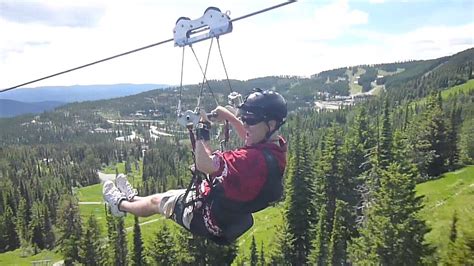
[[241, 182]]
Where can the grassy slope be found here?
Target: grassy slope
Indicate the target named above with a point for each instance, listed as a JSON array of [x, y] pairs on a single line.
[[14, 258], [448, 93], [454, 191]]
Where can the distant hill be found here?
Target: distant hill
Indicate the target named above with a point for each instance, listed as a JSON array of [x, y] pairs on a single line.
[[77, 93], [10, 108]]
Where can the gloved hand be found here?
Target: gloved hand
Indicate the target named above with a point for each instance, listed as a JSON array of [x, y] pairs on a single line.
[[202, 131]]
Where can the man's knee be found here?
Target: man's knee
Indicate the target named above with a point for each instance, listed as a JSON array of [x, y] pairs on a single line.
[[155, 200]]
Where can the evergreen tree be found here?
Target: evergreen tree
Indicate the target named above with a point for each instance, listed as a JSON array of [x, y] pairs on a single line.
[[463, 249], [357, 144], [48, 232], [90, 250], [253, 252], [300, 193], [22, 220], [337, 253], [319, 251], [8, 234], [429, 139], [281, 253], [121, 249], [453, 136], [466, 152], [222, 255], [384, 147], [70, 229], [36, 227], [138, 255], [3, 235], [262, 255], [400, 152], [392, 233], [453, 233], [111, 236], [183, 253], [162, 250]]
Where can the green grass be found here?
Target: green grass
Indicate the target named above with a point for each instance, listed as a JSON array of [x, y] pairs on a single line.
[[264, 230], [448, 93], [354, 87], [454, 191], [466, 87], [15, 258]]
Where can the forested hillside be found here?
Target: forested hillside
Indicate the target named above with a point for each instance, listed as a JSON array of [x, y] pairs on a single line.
[[350, 182]]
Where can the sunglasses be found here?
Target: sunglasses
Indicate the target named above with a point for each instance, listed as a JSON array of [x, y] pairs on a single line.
[[251, 120]]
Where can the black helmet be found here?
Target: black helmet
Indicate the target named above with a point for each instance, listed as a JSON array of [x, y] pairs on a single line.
[[268, 104]]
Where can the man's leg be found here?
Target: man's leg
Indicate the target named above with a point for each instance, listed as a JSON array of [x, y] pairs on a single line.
[[142, 206], [161, 203]]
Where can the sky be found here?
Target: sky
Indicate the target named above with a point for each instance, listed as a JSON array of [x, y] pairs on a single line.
[[42, 37]]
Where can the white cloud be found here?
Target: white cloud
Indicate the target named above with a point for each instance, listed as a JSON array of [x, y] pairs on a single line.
[[294, 40], [334, 19]]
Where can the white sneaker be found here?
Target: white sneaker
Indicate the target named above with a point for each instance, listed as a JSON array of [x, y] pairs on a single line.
[[113, 197], [125, 187]]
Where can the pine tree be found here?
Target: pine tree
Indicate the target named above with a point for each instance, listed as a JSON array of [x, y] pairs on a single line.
[[111, 236], [36, 226], [384, 152], [262, 255], [281, 254], [48, 232], [91, 251], [318, 254], [466, 145], [429, 139], [253, 252], [22, 229], [357, 144], [162, 250], [453, 235], [453, 136], [337, 253], [70, 229], [9, 235], [138, 255], [221, 255], [121, 249], [392, 233], [401, 151], [299, 195], [463, 249]]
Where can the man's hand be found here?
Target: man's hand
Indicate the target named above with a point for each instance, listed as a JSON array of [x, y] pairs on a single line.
[[202, 131]]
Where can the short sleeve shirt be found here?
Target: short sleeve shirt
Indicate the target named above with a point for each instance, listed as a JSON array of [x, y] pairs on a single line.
[[243, 172]]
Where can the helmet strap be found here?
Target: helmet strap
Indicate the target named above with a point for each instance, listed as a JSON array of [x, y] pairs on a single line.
[[270, 132]]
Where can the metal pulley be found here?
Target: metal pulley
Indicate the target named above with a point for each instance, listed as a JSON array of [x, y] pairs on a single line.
[[212, 24]]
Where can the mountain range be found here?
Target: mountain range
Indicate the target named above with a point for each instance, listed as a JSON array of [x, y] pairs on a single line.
[[39, 99], [10, 108], [77, 93]]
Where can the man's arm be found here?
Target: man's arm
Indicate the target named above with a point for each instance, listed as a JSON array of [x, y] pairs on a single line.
[[224, 114], [204, 161]]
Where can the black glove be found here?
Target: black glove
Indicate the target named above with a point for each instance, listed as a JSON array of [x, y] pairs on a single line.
[[202, 131]]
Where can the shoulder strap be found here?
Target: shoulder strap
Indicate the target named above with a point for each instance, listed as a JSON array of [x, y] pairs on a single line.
[[273, 188]]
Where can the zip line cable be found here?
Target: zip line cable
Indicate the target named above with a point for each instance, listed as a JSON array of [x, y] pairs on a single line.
[[139, 49], [87, 65]]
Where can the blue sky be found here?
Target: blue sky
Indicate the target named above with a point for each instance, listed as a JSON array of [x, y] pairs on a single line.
[[44, 37]]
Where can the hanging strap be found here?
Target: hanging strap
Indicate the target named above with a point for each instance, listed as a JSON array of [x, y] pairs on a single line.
[[223, 64]]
